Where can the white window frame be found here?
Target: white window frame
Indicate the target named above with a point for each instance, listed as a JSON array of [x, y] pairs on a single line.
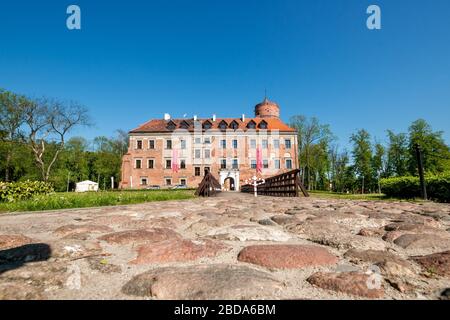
[[135, 163], [148, 164], [286, 162]]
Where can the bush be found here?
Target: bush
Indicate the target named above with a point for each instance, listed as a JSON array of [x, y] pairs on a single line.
[[438, 187], [15, 191], [62, 200]]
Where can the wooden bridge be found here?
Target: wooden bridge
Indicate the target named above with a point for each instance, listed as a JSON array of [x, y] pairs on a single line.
[[287, 184]]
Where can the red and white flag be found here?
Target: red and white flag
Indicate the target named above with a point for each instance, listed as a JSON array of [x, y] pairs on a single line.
[[175, 165], [259, 160]]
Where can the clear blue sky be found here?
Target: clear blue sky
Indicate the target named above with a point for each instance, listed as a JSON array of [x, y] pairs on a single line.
[[135, 60]]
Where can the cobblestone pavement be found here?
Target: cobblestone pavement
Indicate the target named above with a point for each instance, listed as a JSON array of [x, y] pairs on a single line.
[[229, 247]]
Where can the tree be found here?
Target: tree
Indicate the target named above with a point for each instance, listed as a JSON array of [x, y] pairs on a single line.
[[435, 152], [48, 121], [362, 157], [107, 159], [310, 132], [378, 163], [397, 154], [11, 120]]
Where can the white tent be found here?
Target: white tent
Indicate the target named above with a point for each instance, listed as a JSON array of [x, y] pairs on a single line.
[[85, 186]]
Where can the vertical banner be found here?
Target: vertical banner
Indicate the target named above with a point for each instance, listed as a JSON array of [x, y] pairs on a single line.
[[175, 165], [259, 160]]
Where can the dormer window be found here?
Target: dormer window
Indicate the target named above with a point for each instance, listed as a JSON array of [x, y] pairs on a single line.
[[234, 125], [263, 125], [251, 125], [207, 125], [223, 125], [184, 124], [171, 125]]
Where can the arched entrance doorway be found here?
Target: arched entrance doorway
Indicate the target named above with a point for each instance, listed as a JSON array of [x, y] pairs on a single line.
[[232, 178], [229, 184]]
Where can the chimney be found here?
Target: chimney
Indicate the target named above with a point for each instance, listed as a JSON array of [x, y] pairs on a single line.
[[195, 117], [166, 116], [214, 118], [243, 118]]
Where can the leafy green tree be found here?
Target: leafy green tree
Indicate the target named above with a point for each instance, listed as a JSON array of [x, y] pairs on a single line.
[[397, 154], [11, 120], [310, 133], [362, 157], [435, 152], [48, 121]]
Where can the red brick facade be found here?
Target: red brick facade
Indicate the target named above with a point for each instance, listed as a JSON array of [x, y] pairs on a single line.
[[226, 147]]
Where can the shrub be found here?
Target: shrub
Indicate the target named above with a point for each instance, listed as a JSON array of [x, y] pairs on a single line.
[[438, 187], [15, 191]]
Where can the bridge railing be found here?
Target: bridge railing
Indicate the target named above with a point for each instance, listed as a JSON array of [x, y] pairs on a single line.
[[287, 184]]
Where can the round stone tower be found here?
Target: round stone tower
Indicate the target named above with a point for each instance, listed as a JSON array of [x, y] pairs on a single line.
[[267, 109]]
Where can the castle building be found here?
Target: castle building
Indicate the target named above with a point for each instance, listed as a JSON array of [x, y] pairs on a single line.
[[167, 152]]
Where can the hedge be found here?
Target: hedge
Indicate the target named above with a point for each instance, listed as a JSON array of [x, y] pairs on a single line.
[[438, 187], [14, 191]]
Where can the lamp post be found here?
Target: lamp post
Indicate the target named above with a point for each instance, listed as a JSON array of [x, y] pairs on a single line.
[[255, 182]]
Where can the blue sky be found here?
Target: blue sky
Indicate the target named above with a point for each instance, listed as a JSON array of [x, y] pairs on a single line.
[[135, 60]]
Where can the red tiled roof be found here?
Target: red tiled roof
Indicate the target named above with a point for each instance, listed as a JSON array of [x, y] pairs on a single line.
[[160, 125]]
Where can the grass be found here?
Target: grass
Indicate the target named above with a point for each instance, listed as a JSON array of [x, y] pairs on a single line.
[[71, 200], [350, 196]]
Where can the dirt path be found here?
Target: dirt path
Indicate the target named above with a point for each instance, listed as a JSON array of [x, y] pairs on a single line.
[[232, 246]]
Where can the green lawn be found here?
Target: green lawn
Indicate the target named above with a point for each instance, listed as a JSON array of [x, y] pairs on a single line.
[[64, 200], [335, 195]]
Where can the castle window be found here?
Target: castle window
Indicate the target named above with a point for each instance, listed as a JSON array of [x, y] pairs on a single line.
[[207, 140], [197, 171], [253, 164], [277, 164], [223, 144], [207, 153], [139, 144], [138, 164], [266, 164], [235, 164], [206, 170], [234, 125], [171, 125], [252, 144], [182, 164], [144, 181], [223, 163], [276, 144], [184, 125], [168, 181], [288, 164], [151, 144], [235, 144], [287, 143], [207, 125], [169, 144], [223, 125], [183, 144], [251, 125], [263, 125], [151, 163], [168, 164], [198, 153], [183, 182], [264, 143]]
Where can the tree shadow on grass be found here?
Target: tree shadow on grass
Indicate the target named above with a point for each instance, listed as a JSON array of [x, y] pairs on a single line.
[[15, 258]]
